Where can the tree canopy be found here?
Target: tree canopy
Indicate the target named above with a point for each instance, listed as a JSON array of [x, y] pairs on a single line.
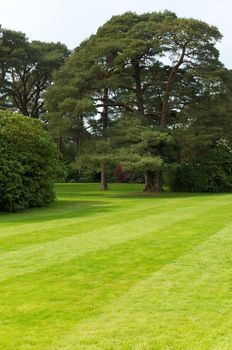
[[26, 70], [153, 66], [147, 94]]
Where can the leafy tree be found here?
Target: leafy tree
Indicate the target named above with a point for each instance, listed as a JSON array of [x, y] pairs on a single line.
[[121, 70], [82, 98], [206, 118], [98, 157], [26, 70], [27, 163], [212, 172], [189, 43], [138, 149]]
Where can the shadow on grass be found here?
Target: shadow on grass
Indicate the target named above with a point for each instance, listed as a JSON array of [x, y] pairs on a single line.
[[66, 208], [61, 209], [165, 195]]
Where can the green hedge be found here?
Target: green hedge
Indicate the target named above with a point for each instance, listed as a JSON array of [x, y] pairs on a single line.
[[210, 173], [27, 163]]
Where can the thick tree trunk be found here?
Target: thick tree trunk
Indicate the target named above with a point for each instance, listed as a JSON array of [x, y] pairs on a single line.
[[104, 185], [153, 181], [149, 181], [158, 181]]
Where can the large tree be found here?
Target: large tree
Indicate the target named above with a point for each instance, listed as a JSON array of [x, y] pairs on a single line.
[[26, 70], [146, 65]]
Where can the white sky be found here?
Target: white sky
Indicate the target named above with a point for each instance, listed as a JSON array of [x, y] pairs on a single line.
[[71, 21]]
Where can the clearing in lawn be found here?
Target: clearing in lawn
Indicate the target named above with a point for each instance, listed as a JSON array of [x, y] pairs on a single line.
[[117, 270]]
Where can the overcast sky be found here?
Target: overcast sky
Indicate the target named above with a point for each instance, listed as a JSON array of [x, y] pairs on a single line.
[[71, 21]]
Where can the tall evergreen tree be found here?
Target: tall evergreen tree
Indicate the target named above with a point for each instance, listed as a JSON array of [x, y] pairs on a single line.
[[138, 65], [26, 70]]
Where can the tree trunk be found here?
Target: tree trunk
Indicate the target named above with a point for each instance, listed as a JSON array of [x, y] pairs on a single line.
[[158, 181], [153, 181], [104, 185], [149, 181], [104, 115], [59, 145], [167, 92], [138, 87], [165, 109]]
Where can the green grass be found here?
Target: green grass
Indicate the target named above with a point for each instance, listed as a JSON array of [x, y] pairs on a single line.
[[117, 270]]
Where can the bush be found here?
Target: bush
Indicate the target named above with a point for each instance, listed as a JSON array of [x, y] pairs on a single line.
[[211, 173], [27, 163]]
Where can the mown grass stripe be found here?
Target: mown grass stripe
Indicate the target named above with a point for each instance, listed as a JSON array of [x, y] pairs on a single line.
[[14, 238], [177, 307], [41, 255], [136, 275]]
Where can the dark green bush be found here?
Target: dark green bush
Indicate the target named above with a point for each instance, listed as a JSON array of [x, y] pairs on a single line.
[[210, 173], [27, 163]]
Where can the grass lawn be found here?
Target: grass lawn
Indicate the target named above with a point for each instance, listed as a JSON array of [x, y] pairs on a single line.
[[117, 270]]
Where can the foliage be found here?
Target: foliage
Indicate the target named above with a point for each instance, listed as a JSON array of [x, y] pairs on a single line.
[[151, 66], [140, 149], [27, 163], [212, 172], [161, 70], [26, 70], [123, 176], [82, 172]]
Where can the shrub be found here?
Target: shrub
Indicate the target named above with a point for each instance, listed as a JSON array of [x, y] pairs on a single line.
[[27, 163], [210, 173]]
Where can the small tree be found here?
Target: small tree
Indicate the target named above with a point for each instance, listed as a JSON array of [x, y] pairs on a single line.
[[142, 150], [27, 163], [98, 155]]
